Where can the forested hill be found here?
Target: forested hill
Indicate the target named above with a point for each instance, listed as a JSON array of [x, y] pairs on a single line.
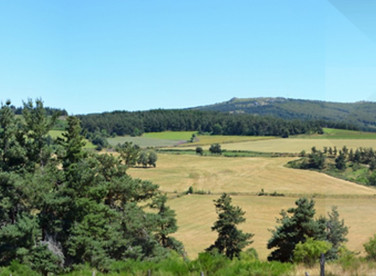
[[136, 123], [360, 114]]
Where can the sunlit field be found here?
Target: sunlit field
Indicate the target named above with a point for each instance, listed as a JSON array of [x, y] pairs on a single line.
[[244, 178], [176, 173], [196, 214], [297, 145]]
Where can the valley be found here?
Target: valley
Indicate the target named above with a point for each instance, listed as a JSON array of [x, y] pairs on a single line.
[[245, 177]]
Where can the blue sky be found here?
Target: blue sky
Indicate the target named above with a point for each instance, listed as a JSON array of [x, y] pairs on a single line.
[[95, 56]]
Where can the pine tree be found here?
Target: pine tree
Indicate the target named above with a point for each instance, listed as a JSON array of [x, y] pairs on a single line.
[[341, 161], [166, 225], [336, 232], [292, 230], [230, 240], [37, 126]]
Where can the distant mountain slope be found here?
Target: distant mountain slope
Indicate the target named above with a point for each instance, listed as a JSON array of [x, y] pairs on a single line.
[[361, 114]]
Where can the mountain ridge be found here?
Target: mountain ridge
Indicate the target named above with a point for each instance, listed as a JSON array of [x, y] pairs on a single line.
[[361, 113]]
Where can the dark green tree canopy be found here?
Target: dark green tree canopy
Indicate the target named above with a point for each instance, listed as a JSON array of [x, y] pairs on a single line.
[[61, 206], [301, 225], [292, 230], [230, 239]]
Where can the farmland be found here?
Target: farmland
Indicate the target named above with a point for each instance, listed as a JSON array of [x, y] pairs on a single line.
[[245, 177], [296, 145], [175, 173], [196, 214]]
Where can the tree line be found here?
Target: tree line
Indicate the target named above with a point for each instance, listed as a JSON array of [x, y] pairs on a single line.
[[362, 161], [217, 123]]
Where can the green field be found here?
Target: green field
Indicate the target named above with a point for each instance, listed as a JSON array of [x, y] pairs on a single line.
[[171, 135], [58, 133], [154, 139], [143, 142], [331, 133]]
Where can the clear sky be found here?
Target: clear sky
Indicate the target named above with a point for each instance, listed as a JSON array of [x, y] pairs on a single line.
[[95, 56]]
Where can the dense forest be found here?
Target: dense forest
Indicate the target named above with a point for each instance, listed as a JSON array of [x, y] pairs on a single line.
[[136, 123], [61, 206], [358, 115]]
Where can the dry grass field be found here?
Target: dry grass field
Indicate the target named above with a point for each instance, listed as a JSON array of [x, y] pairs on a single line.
[[245, 177], [296, 145], [196, 214], [176, 173]]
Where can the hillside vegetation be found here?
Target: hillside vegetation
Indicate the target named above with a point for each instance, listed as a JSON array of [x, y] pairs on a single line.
[[342, 115]]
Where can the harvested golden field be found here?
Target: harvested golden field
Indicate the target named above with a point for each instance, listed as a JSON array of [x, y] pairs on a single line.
[[196, 214], [244, 178], [176, 173], [296, 145]]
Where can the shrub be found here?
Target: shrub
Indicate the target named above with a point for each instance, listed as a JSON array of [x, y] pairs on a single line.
[[370, 248], [199, 151], [215, 149], [310, 251]]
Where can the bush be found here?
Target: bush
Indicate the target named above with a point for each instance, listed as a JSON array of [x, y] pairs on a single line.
[[215, 149], [370, 248], [310, 251], [15, 268], [348, 259], [199, 151]]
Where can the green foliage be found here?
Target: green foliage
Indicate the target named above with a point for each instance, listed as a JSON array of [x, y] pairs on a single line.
[[17, 269], [152, 158], [230, 240], [341, 161], [61, 207], [126, 123], [348, 259], [199, 150], [215, 149], [128, 153], [300, 226], [147, 157], [143, 158], [316, 160], [372, 179], [310, 251], [292, 230], [335, 233], [370, 248]]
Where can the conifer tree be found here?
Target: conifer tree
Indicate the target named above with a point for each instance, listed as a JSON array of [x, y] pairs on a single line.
[[292, 230], [230, 239], [336, 232]]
